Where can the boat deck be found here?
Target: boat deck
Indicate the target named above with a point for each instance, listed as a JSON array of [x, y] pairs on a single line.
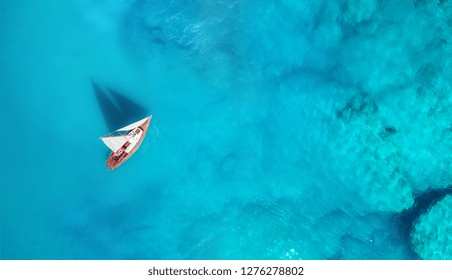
[[119, 157]]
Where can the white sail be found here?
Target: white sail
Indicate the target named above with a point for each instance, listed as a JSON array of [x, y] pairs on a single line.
[[114, 142], [133, 125]]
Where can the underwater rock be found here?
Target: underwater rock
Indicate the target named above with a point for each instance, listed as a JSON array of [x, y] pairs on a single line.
[[380, 173], [424, 138], [408, 218], [431, 238]]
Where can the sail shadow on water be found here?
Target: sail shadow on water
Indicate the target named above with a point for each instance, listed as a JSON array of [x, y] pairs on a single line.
[[117, 109], [131, 111]]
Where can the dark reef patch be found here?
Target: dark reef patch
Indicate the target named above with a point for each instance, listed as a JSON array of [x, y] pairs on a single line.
[[388, 132], [356, 106]]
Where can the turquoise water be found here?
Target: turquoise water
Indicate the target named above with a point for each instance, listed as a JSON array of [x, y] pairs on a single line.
[[281, 129]]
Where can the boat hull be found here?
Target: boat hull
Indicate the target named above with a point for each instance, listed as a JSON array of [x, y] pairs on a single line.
[[118, 158]]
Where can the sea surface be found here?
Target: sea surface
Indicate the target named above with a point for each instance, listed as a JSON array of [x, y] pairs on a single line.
[[289, 129]]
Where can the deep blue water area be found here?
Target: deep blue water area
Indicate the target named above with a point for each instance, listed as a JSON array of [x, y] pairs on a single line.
[[281, 129]]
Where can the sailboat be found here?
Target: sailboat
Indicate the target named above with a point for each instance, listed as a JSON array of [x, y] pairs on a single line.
[[124, 141]]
